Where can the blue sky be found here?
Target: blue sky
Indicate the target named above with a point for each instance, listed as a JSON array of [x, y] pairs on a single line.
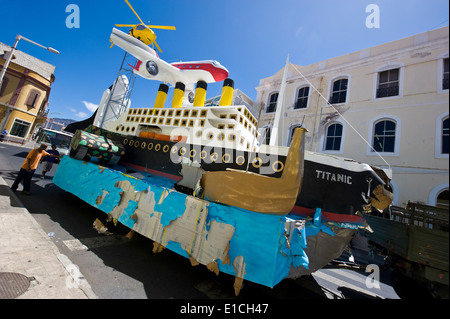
[[251, 38]]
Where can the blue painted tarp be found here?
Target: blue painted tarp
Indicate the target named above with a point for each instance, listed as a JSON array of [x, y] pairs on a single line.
[[258, 247]]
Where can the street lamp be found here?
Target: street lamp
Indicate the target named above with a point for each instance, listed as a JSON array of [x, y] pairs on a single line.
[[11, 53]]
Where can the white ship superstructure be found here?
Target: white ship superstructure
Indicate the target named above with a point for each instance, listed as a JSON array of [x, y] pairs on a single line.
[[226, 127]]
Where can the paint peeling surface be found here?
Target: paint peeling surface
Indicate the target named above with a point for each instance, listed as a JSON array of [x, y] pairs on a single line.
[[262, 248]]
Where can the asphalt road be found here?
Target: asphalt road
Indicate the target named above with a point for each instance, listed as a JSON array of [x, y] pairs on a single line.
[[120, 268]]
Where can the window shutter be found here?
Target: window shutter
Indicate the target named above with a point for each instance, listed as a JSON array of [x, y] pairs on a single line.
[[33, 98]]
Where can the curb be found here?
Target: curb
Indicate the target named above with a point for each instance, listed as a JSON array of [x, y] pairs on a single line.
[[74, 279]]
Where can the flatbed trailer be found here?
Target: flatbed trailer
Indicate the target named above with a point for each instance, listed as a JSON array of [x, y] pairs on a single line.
[[416, 241], [262, 248]]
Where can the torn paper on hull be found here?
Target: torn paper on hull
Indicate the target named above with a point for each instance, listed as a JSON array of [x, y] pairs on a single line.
[[245, 244]]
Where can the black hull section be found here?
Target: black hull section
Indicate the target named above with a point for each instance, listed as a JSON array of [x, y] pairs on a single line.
[[331, 188], [335, 189]]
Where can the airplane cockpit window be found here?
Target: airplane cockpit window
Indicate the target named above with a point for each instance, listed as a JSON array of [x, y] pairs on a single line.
[[141, 27]]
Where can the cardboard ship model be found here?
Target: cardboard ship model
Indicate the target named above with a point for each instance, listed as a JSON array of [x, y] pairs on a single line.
[[200, 166]]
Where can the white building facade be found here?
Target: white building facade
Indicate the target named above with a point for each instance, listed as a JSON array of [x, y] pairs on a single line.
[[387, 106]]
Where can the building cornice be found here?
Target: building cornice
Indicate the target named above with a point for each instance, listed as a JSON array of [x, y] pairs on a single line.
[[383, 58], [15, 108]]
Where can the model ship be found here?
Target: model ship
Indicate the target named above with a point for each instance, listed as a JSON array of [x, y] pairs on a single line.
[[210, 157], [162, 141]]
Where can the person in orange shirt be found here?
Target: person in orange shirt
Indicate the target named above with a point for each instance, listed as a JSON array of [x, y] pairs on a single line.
[[28, 168]]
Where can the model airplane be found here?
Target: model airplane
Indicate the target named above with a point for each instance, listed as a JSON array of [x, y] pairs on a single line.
[[151, 67], [144, 32]]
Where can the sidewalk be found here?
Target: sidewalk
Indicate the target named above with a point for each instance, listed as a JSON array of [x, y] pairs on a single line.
[[31, 266]]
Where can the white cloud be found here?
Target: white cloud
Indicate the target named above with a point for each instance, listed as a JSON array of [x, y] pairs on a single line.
[[81, 115], [299, 30], [90, 106], [77, 113]]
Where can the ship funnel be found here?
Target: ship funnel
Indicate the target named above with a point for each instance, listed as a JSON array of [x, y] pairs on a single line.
[[178, 95], [227, 92], [200, 93], [161, 96]]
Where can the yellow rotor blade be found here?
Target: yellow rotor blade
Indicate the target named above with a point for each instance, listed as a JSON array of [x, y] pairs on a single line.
[[157, 46], [134, 11], [126, 25], [161, 27]]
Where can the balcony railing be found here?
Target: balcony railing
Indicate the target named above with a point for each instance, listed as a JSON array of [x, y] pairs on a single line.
[[387, 91]]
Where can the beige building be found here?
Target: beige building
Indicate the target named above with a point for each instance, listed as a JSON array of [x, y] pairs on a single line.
[[390, 107], [24, 93]]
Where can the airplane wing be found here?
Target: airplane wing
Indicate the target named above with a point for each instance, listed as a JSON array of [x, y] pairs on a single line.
[[142, 52], [164, 71], [131, 45]]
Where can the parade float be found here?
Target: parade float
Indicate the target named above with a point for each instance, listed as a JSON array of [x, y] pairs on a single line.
[[196, 181]]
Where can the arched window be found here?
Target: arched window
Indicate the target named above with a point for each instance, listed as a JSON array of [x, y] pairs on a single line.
[[333, 137], [272, 103], [445, 74], [291, 132], [441, 140], [339, 91], [384, 136], [442, 199], [264, 137], [388, 83], [445, 136], [302, 98]]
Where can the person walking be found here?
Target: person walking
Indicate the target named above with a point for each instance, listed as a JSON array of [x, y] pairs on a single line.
[[49, 160], [3, 135], [28, 168]]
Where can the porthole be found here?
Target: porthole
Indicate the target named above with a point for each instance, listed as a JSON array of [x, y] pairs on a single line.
[[214, 156], [150, 146], [221, 136], [152, 68], [240, 160], [174, 149], [226, 158], [277, 166], [157, 147], [166, 148], [182, 151], [192, 153], [143, 145], [256, 162], [136, 144], [203, 154]]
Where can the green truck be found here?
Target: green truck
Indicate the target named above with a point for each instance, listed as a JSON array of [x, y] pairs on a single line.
[[415, 241]]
